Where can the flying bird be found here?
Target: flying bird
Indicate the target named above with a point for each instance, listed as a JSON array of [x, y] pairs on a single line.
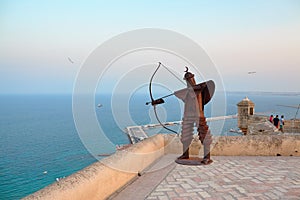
[[71, 61], [99, 105], [251, 72]]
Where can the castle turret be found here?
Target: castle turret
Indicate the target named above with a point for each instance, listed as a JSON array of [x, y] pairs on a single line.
[[245, 110]]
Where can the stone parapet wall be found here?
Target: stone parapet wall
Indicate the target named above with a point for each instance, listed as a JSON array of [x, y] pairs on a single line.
[[257, 145], [260, 125], [257, 118], [105, 177], [250, 145], [292, 126]]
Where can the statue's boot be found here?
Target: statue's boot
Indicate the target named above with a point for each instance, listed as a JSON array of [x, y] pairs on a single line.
[[185, 154], [206, 161], [206, 144]]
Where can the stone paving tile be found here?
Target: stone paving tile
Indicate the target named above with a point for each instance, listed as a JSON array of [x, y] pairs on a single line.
[[233, 178]]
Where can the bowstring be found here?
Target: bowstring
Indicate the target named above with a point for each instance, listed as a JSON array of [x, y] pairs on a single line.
[[172, 73]]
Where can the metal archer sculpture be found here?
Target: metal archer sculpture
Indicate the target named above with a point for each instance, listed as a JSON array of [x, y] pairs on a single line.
[[195, 96]]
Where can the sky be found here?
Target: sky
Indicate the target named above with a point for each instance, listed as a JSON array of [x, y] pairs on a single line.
[[37, 37]]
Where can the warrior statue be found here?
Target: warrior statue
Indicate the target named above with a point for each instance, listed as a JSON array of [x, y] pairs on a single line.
[[195, 96]]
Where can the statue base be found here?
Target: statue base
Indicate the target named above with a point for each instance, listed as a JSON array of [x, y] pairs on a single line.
[[193, 161]]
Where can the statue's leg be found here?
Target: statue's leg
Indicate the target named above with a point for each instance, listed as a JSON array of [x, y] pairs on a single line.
[[186, 136], [206, 139]]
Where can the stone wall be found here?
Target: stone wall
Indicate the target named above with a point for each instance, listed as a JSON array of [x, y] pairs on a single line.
[[249, 145], [292, 126], [103, 178], [257, 145], [260, 125]]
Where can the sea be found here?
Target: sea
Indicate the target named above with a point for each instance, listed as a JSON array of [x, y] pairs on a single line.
[[39, 142]]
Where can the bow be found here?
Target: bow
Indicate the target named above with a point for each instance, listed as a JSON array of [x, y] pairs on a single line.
[[155, 102]]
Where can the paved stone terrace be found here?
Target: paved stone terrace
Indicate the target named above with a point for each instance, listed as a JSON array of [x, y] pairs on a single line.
[[226, 178]]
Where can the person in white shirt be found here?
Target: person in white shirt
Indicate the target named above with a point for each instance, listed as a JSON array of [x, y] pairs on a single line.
[[281, 123]]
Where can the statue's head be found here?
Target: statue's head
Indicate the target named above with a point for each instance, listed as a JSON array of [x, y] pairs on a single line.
[[189, 77]]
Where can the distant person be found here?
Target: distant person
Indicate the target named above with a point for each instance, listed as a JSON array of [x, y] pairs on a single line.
[[276, 121], [271, 119], [281, 123]]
